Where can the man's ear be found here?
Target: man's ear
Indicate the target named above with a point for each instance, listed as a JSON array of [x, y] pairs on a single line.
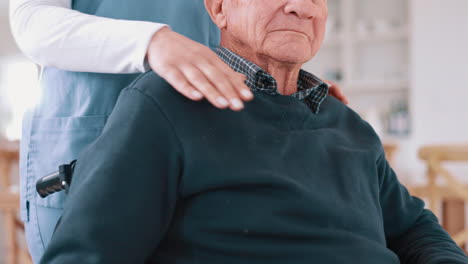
[[216, 11]]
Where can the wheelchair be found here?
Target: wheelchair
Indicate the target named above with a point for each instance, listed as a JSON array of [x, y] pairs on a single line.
[[57, 181]]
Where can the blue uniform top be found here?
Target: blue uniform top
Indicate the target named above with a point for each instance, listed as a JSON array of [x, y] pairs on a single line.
[[75, 105]]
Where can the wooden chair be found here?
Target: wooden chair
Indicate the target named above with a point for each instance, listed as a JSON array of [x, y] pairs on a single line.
[[390, 151], [453, 195], [9, 207]]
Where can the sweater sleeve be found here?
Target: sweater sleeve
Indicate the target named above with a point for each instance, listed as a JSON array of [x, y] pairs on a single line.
[[411, 231], [124, 189], [51, 34]]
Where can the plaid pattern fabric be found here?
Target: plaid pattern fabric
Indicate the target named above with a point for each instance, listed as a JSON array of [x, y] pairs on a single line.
[[309, 88]]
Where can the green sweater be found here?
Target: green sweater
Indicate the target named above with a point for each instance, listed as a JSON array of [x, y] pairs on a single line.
[[176, 181]]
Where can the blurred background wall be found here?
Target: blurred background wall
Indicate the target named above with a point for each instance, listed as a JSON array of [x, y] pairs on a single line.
[[402, 63], [439, 79], [18, 80]]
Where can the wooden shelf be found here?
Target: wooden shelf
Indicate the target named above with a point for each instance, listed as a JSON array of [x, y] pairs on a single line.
[[9, 201]]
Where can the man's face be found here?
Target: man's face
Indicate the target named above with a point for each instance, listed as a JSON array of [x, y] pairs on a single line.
[[288, 31]]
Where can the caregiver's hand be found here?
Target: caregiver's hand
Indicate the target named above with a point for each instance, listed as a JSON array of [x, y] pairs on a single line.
[[196, 71], [336, 92]]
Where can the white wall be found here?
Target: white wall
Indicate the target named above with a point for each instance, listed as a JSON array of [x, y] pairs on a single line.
[[439, 71], [9, 53], [7, 44]]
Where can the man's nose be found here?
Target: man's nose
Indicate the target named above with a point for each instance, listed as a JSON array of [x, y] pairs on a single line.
[[304, 9]]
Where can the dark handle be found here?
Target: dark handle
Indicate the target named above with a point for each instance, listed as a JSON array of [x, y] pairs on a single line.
[[57, 181]]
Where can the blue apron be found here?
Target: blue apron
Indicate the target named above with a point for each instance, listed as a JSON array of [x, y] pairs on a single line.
[[75, 105]]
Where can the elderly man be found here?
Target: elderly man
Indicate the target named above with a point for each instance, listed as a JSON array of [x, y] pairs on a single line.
[[297, 177]]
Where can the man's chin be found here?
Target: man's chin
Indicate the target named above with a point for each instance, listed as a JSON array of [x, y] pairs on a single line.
[[290, 54], [291, 50]]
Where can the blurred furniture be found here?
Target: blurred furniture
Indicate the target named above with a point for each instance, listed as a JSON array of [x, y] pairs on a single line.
[[390, 150], [9, 206], [452, 195]]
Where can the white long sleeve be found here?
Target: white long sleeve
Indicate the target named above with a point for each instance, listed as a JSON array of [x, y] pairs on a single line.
[[50, 33]]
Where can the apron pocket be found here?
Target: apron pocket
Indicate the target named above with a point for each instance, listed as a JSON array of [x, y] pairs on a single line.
[[53, 142]]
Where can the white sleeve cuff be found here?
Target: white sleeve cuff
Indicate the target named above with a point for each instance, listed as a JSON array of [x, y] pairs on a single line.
[[141, 60], [53, 35]]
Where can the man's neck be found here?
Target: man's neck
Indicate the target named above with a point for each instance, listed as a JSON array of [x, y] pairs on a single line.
[[285, 74]]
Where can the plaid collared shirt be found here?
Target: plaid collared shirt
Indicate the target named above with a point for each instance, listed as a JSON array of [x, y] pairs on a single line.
[[309, 88]]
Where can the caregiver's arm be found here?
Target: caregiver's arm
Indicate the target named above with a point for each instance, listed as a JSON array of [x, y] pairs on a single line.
[[51, 34], [413, 232], [124, 189]]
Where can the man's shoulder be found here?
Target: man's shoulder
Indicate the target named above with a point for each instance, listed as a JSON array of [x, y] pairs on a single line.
[[340, 111], [350, 122], [155, 87], [168, 100]]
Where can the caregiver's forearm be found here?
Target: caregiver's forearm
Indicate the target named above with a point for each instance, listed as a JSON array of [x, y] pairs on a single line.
[[51, 34]]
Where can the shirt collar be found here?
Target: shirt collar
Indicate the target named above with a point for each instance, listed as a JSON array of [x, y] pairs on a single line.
[[310, 88]]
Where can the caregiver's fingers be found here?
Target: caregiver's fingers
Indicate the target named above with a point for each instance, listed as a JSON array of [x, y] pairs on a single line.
[[229, 84], [204, 86], [236, 79], [177, 80], [336, 91], [198, 69]]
